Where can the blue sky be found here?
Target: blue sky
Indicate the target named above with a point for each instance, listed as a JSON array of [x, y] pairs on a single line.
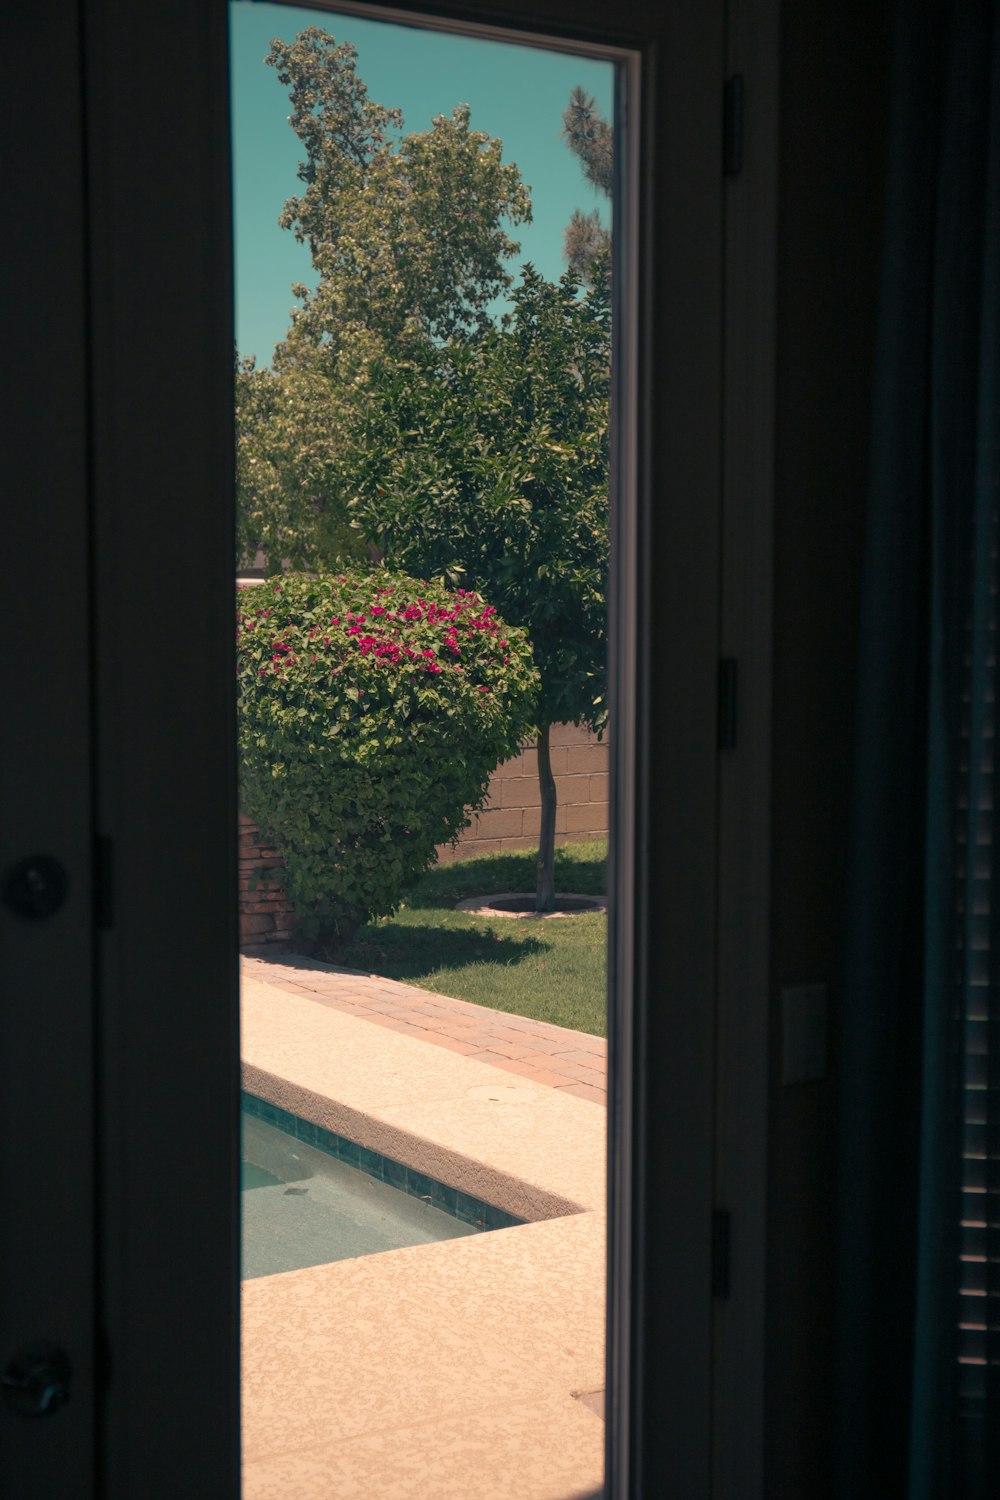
[[516, 93]]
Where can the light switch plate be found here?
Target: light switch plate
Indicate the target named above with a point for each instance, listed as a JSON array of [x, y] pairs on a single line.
[[804, 1027]]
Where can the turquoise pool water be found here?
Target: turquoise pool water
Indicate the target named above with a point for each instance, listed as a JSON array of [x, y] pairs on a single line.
[[304, 1206]]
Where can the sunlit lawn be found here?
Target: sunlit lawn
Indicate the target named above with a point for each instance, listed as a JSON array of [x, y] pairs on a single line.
[[553, 970]]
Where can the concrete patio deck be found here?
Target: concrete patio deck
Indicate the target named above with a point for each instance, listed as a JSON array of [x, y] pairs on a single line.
[[571, 1061], [462, 1370]]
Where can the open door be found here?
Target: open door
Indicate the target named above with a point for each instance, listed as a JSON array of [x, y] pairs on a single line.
[[133, 1247]]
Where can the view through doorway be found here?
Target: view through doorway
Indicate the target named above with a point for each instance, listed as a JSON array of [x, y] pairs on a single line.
[[424, 248]]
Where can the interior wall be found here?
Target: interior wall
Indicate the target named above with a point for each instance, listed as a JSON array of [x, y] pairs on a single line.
[[834, 95]]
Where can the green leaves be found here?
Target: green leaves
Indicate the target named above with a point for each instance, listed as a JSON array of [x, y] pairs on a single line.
[[372, 710], [290, 481], [486, 459], [409, 235], [406, 230], [587, 243]]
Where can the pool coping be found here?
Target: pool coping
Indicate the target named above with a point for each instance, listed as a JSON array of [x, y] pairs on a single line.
[[533, 1151], [409, 1180], [351, 1368], [455, 1168]]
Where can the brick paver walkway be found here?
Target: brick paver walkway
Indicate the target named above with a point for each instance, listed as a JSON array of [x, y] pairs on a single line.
[[552, 1055]]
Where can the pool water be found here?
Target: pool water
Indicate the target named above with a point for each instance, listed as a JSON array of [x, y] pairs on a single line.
[[303, 1207], [255, 1177]]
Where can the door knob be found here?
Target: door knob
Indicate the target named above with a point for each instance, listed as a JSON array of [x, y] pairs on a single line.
[[36, 887]]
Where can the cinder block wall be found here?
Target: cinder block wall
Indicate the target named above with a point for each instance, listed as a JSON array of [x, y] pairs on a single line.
[[511, 816]]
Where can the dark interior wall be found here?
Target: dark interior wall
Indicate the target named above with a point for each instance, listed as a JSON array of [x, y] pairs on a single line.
[[834, 97]]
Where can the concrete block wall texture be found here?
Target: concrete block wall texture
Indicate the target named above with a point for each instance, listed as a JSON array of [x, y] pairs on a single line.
[[509, 821]]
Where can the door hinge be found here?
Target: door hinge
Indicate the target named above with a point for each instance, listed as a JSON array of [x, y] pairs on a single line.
[[728, 702], [103, 882], [721, 1236], [732, 125]]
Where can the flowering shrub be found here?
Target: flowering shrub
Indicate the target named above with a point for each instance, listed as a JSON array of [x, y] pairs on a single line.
[[372, 710]]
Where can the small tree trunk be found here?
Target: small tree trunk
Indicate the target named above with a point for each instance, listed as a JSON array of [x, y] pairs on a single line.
[[545, 889]]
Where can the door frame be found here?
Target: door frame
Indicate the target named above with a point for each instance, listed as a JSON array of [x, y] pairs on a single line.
[[686, 1372], [47, 1080]]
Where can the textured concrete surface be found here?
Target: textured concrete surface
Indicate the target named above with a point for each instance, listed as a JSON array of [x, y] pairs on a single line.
[[573, 1061], [451, 1371], [534, 1151]]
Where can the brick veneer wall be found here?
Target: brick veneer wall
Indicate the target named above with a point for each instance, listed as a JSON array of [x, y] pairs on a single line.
[[266, 917], [509, 821]]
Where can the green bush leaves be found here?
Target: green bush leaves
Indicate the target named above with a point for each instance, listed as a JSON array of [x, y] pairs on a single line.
[[373, 709]]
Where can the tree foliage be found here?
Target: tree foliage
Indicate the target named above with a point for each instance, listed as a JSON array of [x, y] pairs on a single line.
[[406, 231], [288, 468], [485, 463], [372, 711], [591, 139]]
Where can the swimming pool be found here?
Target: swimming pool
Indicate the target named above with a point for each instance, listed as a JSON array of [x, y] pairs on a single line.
[[310, 1197]]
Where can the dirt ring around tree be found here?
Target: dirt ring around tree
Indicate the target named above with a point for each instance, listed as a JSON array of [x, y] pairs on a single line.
[[522, 904]]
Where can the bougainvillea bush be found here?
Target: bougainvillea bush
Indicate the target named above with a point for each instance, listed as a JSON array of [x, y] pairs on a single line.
[[372, 710]]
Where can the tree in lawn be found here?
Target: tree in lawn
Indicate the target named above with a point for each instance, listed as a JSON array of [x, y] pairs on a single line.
[[591, 139], [484, 462], [408, 235]]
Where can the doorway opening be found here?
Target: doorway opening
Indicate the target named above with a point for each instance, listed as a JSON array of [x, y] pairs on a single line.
[[432, 509]]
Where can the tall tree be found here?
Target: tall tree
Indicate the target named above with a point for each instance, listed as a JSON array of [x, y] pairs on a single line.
[[406, 231], [484, 462], [591, 139], [409, 235]]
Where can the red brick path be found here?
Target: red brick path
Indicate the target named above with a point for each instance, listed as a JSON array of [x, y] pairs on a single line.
[[569, 1060]]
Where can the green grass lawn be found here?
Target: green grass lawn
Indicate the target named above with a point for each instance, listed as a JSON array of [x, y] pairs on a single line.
[[552, 970]]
